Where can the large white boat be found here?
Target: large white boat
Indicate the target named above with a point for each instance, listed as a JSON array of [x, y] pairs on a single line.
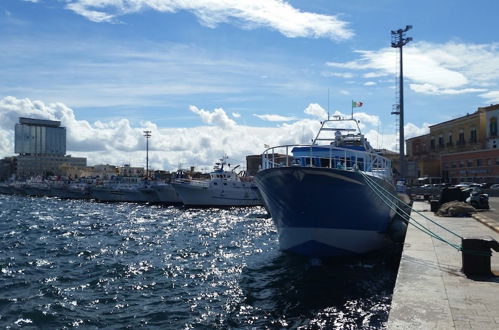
[[224, 188], [322, 197]]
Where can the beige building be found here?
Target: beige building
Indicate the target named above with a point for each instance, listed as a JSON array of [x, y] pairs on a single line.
[[127, 170], [472, 138], [45, 165]]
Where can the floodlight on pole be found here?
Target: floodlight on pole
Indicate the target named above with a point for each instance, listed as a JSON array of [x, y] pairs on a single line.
[[399, 40], [147, 134]]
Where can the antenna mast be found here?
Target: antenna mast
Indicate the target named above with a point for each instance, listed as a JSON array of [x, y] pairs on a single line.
[[399, 41]]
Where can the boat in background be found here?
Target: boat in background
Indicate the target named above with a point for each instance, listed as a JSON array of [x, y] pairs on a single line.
[[320, 196], [224, 188], [166, 193], [124, 191]]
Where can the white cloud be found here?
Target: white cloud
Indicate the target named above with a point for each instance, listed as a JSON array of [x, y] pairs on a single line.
[[346, 75], [316, 110], [248, 14], [271, 117], [218, 117], [491, 96], [411, 130], [432, 89], [236, 115], [450, 68], [369, 83], [344, 92], [118, 141], [365, 118]]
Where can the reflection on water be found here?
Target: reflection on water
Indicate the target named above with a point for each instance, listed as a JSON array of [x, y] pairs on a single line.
[[78, 263]]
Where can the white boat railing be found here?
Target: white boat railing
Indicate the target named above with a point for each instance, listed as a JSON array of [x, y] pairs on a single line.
[[338, 158]]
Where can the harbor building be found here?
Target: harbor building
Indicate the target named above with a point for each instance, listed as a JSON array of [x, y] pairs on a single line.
[[461, 149], [41, 148]]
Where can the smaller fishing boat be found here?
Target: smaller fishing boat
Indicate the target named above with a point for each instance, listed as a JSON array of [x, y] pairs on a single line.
[[224, 188]]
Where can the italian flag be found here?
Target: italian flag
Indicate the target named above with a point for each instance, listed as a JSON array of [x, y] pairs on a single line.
[[357, 104]]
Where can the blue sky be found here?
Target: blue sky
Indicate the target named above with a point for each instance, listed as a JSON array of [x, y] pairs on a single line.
[[204, 75]]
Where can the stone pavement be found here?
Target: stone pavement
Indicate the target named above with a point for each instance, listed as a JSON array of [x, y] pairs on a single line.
[[490, 218], [431, 291]]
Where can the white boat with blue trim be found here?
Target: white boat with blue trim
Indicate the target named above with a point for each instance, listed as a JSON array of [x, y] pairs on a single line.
[[320, 195]]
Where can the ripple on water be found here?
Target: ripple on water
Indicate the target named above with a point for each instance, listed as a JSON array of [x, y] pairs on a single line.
[[80, 263]]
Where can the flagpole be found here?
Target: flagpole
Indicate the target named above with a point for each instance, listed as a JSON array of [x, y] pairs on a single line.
[[352, 109]]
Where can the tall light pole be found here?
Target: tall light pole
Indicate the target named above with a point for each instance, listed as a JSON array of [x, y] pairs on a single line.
[[147, 134], [399, 40]]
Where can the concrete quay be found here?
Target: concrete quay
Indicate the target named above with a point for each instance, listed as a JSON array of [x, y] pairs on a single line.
[[431, 291]]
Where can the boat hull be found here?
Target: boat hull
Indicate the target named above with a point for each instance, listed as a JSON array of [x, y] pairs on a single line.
[[166, 194], [209, 196], [121, 195], [324, 211]]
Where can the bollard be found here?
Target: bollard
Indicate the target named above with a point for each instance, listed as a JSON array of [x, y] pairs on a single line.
[[476, 253], [434, 205]]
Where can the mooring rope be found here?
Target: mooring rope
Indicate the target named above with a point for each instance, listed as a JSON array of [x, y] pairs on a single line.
[[389, 199]]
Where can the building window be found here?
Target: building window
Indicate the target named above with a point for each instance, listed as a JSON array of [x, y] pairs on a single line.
[[473, 135], [493, 126], [469, 163], [450, 140], [489, 162], [461, 163], [479, 162], [441, 141], [461, 138], [432, 143]]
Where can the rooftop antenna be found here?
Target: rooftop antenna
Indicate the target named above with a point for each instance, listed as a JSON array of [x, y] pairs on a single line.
[[399, 40], [147, 134]]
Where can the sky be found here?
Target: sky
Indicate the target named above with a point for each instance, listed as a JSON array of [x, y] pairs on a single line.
[[215, 77]]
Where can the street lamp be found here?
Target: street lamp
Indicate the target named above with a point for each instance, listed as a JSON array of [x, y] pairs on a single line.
[[147, 134], [399, 40]]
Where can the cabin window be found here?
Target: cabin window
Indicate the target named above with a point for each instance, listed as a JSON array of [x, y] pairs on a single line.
[[360, 163], [324, 162], [225, 183], [215, 183]]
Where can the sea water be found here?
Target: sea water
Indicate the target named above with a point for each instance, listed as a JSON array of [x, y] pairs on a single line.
[[71, 263]]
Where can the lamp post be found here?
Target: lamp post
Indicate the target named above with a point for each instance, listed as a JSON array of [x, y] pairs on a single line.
[[147, 134], [399, 40]]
